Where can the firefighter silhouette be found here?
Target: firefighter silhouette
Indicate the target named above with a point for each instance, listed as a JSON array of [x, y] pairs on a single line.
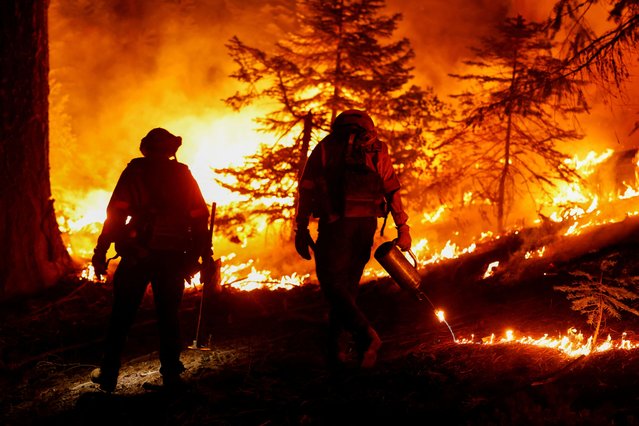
[[157, 219], [348, 182]]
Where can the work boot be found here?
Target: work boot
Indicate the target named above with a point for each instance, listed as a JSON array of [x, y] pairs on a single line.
[[106, 380], [171, 379], [337, 354], [369, 356]]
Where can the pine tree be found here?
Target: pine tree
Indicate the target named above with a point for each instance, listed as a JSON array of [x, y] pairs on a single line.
[[341, 57], [512, 117], [603, 55], [598, 294]]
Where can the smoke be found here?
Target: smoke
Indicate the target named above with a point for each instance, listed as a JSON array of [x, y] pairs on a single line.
[[441, 33], [122, 67]]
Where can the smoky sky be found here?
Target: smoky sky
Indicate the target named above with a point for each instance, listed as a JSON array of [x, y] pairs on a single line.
[[120, 67], [441, 32], [100, 50]]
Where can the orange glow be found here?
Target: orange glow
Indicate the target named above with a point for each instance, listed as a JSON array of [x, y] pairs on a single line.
[[491, 269], [572, 344], [177, 83]]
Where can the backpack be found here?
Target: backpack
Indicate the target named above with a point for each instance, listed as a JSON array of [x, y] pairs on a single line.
[[357, 190], [160, 220]]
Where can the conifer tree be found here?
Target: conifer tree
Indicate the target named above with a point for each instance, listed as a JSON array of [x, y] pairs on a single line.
[[602, 54], [342, 56], [512, 117], [598, 294]]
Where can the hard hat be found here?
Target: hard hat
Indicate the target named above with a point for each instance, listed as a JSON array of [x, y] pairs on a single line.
[[160, 141], [354, 117], [358, 120]]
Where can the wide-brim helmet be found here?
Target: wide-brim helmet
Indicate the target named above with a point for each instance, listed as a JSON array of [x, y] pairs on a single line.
[[160, 141]]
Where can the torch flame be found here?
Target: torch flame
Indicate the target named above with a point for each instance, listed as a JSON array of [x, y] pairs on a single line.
[[491, 269]]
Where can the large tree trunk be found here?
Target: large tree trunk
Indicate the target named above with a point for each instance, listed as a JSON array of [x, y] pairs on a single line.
[[32, 254]]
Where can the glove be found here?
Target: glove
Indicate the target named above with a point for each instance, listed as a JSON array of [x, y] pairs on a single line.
[[403, 240], [303, 241], [99, 262]]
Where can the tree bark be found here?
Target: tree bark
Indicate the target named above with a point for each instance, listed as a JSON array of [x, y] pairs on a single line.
[[501, 200], [303, 156], [32, 254]]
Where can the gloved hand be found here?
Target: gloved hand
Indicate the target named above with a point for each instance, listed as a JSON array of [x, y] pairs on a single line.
[[99, 262], [303, 241], [403, 240]]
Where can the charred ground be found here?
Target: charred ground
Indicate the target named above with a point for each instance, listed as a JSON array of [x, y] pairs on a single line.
[[266, 361]]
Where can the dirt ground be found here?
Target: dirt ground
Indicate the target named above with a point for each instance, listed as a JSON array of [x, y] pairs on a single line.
[[265, 365]]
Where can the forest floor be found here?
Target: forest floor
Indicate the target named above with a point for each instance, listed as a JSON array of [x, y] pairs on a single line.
[[266, 363]]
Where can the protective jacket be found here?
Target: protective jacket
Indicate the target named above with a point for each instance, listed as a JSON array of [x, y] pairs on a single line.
[[344, 180], [156, 206]]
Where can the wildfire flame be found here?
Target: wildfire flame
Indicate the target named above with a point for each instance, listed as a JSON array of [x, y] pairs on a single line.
[[491, 269], [573, 204], [572, 343], [80, 215]]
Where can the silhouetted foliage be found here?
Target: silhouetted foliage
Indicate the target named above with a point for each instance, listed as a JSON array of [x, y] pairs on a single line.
[[515, 111], [602, 293], [604, 55], [341, 57]]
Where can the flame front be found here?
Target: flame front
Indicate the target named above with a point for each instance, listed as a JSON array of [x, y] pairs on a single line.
[[573, 343], [217, 138]]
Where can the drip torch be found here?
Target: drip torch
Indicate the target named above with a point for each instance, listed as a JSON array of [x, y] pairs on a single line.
[[405, 274]]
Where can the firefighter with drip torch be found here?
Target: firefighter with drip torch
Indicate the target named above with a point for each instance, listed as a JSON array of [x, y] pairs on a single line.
[[158, 220], [348, 182]]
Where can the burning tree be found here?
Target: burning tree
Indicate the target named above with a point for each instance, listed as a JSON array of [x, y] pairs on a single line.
[[32, 254], [514, 117], [602, 293], [338, 59]]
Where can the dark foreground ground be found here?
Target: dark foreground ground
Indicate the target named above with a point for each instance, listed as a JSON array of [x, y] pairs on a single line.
[[266, 364]]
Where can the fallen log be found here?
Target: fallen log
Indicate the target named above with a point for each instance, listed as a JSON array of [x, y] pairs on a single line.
[[527, 254]]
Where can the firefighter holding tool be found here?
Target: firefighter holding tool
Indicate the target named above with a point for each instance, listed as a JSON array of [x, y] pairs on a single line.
[[158, 220], [348, 182]]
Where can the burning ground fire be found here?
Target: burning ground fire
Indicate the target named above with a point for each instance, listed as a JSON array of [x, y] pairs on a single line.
[[572, 344], [571, 198], [574, 206]]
